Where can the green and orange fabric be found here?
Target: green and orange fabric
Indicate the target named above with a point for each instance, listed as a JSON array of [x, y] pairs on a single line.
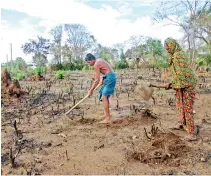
[[182, 74]]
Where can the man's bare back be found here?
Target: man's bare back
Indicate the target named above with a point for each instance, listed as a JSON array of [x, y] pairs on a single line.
[[100, 67], [103, 66]]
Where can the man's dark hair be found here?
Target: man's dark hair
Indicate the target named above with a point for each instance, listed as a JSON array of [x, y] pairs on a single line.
[[89, 57]]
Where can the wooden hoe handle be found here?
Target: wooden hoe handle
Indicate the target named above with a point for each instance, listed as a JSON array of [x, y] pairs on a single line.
[[81, 101], [157, 86]]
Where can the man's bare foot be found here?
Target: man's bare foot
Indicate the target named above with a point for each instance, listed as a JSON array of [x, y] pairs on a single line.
[[105, 121], [102, 117]]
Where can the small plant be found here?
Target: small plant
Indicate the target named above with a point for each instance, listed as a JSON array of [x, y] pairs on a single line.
[[38, 71], [69, 90], [20, 76], [60, 74]]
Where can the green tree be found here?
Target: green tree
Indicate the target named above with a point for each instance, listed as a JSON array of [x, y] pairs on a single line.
[[20, 64], [79, 39], [154, 47], [107, 53], [128, 53], [39, 48], [203, 30], [67, 54], [40, 59], [122, 55], [56, 45], [134, 43], [183, 13]]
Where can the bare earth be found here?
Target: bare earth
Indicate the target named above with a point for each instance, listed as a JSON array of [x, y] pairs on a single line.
[[138, 142]]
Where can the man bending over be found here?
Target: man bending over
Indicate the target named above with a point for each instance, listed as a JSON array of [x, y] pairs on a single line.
[[108, 82]]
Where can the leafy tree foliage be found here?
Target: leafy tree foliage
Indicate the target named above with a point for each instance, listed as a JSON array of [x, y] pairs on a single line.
[[39, 48]]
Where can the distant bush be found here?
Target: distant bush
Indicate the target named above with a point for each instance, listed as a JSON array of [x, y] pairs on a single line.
[[200, 62], [204, 60], [79, 65], [121, 64], [69, 66], [60, 74], [85, 67], [160, 62]]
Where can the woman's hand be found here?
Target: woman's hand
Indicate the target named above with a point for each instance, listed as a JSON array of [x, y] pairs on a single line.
[[168, 86]]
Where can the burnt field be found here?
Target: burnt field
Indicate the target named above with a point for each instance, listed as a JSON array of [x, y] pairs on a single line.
[[37, 137]]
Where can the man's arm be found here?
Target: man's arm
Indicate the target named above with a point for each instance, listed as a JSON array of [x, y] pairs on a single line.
[[96, 79]]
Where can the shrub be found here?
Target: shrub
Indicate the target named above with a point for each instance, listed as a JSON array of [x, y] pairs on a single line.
[[17, 74], [85, 67], [162, 63], [77, 65], [121, 64], [20, 76], [39, 70], [200, 62], [204, 60], [60, 74]]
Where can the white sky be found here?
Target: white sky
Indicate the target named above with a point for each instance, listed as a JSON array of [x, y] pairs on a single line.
[[107, 24]]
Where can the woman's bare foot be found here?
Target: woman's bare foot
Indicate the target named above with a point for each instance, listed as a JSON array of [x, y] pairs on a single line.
[[178, 126], [190, 137]]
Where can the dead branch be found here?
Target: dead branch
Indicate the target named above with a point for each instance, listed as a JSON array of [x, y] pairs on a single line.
[[66, 155], [12, 158], [145, 132], [15, 126]]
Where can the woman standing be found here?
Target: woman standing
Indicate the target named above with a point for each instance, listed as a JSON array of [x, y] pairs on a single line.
[[183, 82]]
